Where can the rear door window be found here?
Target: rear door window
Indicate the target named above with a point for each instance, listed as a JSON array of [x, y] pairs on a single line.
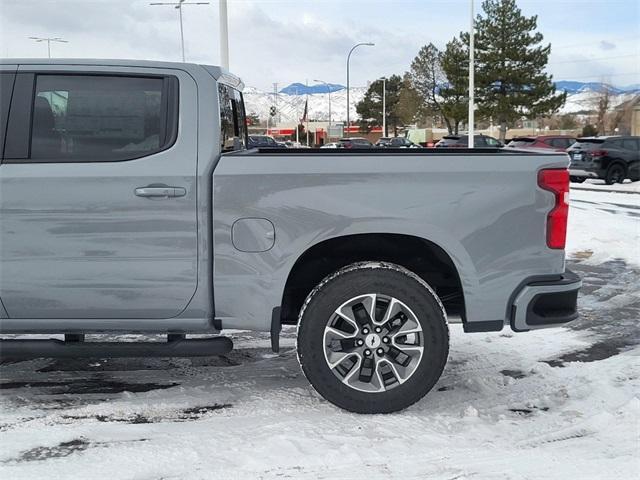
[[101, 118], [233, 126]]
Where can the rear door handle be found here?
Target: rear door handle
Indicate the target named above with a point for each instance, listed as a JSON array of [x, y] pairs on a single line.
[[163, 191]]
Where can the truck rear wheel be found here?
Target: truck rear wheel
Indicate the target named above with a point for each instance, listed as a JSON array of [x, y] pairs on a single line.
[[373, 338]]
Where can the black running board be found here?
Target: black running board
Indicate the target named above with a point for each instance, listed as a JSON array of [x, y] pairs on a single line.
[[51, 348]]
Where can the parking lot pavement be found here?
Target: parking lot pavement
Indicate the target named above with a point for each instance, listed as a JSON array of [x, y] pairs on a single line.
[[560, 403], [600, 186]]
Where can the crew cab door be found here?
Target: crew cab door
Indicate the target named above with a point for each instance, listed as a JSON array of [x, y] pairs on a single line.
[[97, 193]]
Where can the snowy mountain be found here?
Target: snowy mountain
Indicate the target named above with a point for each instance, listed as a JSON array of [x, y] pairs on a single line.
[[291, 106], [581, 96], [301, 89], [578, 87]]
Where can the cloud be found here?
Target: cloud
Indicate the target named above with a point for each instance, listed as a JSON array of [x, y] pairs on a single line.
[[604, 45], [286, 41]]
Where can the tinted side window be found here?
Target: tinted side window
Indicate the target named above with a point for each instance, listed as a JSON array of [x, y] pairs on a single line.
[[6, 88], [98, 118], [630, 144], [561, 142], [614, 143], [233, 126]]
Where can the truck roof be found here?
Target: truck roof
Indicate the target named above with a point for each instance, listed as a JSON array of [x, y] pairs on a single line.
[[220, 74]]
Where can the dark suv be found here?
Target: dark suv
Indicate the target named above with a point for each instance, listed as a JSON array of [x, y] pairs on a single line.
[[355, 142], [264, 141], [612, 159], [461, 141]]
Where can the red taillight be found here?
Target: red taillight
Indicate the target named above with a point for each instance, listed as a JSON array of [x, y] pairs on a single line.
[[556, 181], [598, 153]]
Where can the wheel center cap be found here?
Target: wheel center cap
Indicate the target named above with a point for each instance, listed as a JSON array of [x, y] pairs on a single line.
[[372, 340]]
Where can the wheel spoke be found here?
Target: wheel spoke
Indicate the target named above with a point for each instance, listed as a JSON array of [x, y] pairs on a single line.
[[373, 342]]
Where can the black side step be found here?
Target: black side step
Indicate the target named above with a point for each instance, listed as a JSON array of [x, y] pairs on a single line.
[[196, 347]]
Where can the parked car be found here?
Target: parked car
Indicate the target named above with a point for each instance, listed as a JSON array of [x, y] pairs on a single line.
[[126, 224], [559, 143], [383, 142], [355, 142], [612, 159], [264, 141], [331, 145], [461, 141]]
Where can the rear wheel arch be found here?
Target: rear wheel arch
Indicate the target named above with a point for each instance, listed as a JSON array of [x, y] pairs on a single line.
[[426, 259]]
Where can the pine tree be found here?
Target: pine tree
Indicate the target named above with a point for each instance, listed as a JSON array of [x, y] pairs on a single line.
[[427, 78], [455, 92], [410, 106], [510, 62], [370, 107]]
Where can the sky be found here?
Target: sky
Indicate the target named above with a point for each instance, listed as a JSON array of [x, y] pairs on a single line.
[[288, 41]]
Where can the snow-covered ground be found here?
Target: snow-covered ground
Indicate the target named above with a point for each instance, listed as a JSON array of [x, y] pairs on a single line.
[[599, 185], [554, 404]]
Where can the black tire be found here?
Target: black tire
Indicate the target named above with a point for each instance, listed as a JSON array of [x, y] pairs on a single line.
[[383, 279], [616, 173], [577, 179]]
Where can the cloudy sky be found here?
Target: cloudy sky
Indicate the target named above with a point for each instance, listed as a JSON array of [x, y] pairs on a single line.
[[286, 41]]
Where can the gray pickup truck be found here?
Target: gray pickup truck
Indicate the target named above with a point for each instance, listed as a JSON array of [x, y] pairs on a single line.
[[129, 203]]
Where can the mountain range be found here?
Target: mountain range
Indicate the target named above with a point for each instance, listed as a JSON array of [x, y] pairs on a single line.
[[569, 86], [581, 97]]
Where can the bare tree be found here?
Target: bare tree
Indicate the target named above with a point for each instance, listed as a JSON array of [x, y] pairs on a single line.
[[602, 103]]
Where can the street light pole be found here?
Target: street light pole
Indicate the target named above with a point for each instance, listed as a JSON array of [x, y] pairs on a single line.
[[384, 106], [48, 40], [368, 44], [471, 120], [178, 6], [224, 34]]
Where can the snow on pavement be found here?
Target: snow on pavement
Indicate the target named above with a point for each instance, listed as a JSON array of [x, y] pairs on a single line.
[[604, 226], [560, 403]]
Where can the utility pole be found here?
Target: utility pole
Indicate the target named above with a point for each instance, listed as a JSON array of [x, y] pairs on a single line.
[[48, 40], [224, 34], [297, 121], [368, 44], [471, 120], [178, 6], [276, 120]]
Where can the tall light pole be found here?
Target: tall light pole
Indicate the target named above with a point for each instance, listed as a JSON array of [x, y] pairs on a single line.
[[48, 40], [329, 92], [384, 106], [178, 6], [368, 44], [224, 34], [471, 120]]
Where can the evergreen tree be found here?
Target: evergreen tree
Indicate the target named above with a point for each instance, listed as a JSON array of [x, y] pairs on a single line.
[[370, 107], [455, 92], [410, 106], [510, 62], [427, 78]]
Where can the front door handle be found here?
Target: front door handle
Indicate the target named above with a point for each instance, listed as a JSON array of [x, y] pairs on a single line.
[[163, 191]]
